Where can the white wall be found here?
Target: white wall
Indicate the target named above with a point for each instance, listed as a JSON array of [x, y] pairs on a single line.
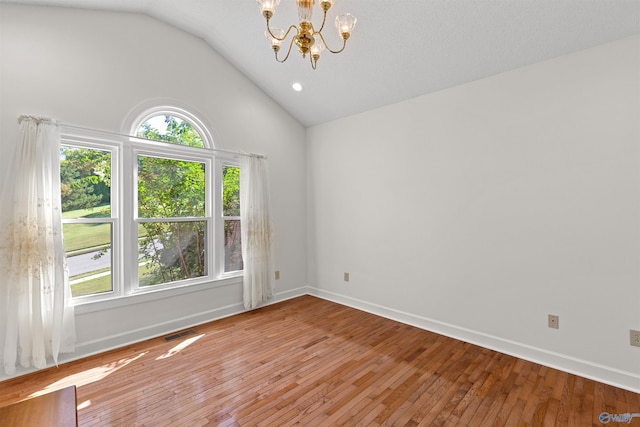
[[478, 210], [475, 211], [91, 69]]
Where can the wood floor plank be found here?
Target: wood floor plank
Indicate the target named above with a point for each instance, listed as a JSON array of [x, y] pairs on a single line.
[[310, 362]]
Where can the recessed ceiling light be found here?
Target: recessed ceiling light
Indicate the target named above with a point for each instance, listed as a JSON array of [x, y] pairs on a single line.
[[297, 87]]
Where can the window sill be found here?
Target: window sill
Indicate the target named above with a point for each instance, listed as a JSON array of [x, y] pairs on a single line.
[[153, 295]]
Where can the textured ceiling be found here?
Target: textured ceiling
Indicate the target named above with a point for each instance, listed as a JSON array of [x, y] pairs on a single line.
[[400, 49]]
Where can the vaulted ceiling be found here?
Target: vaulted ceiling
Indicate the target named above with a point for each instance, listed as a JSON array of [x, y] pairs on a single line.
[[400, 49]]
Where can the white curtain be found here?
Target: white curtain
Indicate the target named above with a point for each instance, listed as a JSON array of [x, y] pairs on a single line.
[[36, 315], [256, 231]]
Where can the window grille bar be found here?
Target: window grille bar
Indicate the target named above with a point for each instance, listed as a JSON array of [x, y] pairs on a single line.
[[174, 219]]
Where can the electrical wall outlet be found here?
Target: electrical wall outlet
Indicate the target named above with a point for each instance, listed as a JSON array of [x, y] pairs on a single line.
[[277, 274], [554, 321], [346, 277], [634, 338]]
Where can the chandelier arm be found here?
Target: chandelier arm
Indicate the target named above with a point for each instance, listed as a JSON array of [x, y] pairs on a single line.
[[324, 19], [344, 44], [288, 52], [292, 27]]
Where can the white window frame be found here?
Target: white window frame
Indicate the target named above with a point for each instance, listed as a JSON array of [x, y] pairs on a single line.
[[160, 107], [124, 154], [84, 140]]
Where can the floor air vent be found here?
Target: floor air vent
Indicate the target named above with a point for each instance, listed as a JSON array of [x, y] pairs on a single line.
[[179, 335]]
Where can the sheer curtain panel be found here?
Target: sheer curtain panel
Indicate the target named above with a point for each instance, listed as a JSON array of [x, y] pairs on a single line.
[[256, 231], [36, 315]]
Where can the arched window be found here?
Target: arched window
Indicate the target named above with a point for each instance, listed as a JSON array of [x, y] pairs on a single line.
[[167, 121], [168, 214], [168, 128]]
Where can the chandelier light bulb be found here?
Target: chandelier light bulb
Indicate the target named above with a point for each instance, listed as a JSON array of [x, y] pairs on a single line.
[[305, 9], [345, 23], [326, 4], [268, 7], [317, 47], [273, 41]]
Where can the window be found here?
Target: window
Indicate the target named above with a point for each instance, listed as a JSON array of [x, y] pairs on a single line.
[[231, 218], [172, 218], [153, 211], [88, 225]]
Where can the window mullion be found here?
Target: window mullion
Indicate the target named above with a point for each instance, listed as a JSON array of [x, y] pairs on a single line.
[[218, 223], [210, 205], [129, 225], [117, 233]]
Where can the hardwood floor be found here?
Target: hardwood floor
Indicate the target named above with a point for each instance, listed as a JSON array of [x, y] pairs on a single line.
[[311, 362]]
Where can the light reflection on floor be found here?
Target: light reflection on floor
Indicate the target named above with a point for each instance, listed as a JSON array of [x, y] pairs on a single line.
[[99, 373], [177, 349], [89, 376]]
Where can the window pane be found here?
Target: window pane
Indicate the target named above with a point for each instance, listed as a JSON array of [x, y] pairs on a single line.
[[170, 129], [230, 191], [232, 246], [85, 182], [88, 250], [172, 251], [170, 188]]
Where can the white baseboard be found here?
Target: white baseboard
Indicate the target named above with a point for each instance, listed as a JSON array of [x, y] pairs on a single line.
[[103, 344], [131, 337], [604, 374]]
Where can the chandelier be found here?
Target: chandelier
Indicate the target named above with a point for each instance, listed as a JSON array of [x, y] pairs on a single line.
[[309, 40]]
